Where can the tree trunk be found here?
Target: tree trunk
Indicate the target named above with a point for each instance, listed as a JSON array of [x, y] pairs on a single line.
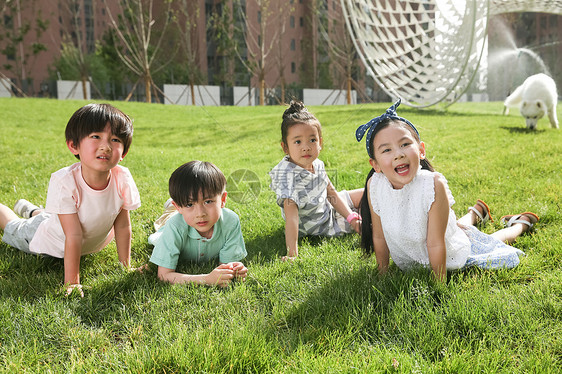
[[262, 91], [84, 87], [283, 91], [348, 90], [147, 89], [192, 94]]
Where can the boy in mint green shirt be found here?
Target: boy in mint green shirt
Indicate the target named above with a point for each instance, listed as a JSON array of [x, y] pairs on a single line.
[[202, 231]]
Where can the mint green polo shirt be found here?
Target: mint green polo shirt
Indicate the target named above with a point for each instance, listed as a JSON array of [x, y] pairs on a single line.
[[177, 241]]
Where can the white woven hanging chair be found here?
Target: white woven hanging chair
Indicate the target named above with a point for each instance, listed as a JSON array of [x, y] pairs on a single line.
[[427, 51]]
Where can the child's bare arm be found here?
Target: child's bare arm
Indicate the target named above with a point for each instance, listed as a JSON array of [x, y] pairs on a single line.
[[341, 207], [72, 249], [382, 253], [221, 276], [123, 233], [436, 227], [380, 247], [291, 228]]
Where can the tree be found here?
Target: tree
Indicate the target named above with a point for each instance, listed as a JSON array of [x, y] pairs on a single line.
[[21, 55], [309, 71], [221, 44], [259, 39], [339, 47], [114, 70], [76, 57], [186, 22], [134, 28], [282, 22], [280, 59]]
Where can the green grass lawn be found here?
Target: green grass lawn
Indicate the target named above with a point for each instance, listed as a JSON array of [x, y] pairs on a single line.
[[329, 311]]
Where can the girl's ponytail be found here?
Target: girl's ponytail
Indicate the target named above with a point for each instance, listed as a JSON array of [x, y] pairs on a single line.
[[426, 165], [366, 224]]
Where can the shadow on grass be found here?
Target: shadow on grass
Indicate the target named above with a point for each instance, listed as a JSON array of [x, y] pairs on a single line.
[[405, 110], [119, 298], [361, 304], [272, 247], [263, 248], [28, 277], [521, 130]]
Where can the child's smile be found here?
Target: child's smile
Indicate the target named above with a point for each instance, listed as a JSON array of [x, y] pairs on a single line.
[[402, 170], [397, 155]]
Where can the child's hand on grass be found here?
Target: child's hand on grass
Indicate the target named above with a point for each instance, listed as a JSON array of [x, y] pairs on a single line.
[[240, 271], [140, 269], [221, 276], [74, 289]]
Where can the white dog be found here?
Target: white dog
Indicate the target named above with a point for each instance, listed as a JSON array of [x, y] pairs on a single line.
[[535, 97]]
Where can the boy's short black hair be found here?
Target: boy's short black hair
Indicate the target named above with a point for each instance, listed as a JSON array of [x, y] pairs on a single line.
[[93, 118], [194, 177]]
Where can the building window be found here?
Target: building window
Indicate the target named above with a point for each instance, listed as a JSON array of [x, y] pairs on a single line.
[[293, 45], [293, 68], [259, 16], [8, 22], [301, 21], [292, 22]]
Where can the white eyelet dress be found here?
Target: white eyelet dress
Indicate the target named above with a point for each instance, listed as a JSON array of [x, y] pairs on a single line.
[[404, 216]]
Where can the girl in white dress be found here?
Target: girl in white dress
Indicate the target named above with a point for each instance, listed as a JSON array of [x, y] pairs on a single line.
[[309, 202], [407, 213]]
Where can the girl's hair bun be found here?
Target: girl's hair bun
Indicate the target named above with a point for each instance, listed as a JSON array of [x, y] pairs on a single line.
[[297, 113], [295, 107]]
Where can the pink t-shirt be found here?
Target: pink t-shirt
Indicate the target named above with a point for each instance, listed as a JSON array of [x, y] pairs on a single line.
[[68, 193]]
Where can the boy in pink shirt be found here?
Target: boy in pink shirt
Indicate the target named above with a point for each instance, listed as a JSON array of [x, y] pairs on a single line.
[[88, 203]]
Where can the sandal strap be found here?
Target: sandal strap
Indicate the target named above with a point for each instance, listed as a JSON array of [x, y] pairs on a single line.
[[485, 210], [478, 214], [517, 219], [509, 220], [485, 215]]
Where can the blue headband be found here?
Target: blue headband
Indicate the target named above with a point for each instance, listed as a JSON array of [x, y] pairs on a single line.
[[372, 124]]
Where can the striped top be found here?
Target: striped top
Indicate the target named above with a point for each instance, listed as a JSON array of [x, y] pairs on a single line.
[[309, 191]]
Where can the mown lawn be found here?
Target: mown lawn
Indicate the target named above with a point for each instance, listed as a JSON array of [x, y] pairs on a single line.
[[329, 311]]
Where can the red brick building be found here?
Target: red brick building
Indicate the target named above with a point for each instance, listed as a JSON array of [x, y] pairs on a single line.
[[284, 44], [48, 23]]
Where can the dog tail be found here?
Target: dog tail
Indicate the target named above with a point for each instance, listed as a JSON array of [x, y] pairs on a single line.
[[514, 99]]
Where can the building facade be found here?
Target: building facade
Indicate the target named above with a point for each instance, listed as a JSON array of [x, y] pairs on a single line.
[[278, 46], [32, 34]]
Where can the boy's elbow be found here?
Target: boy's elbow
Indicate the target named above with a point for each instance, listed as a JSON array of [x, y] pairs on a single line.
[[123, 227], [164, 274], [74, 239]]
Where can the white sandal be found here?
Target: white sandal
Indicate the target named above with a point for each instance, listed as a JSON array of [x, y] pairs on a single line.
[[486, 215], [512, 219]]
